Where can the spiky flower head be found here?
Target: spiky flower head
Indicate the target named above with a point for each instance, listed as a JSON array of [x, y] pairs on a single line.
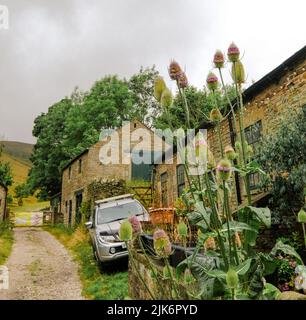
[[219, 59], [238, 240], [211, 163], [166, 98], [182, 80], [238, 73], [230, 153], [250, 150], [159, 87], [215, 115], [224, 169], [302, 216], [182, 229], [232, 279], [167, 274], [136, 225], [174, 70], [237, 145], [188, 276], [212, 81], [233, 52], [125, 231], [161, 243], [210, 244]]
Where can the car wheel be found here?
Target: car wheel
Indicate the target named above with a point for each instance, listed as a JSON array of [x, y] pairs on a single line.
[[96, 257], [94, 253]]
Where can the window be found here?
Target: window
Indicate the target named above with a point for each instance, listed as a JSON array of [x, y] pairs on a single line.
[[80, 166], [164, 189], [69, 172], [66, 206], [253, 135], [180, 175]]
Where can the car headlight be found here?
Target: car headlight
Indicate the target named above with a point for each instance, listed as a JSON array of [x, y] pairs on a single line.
[[104, 239]]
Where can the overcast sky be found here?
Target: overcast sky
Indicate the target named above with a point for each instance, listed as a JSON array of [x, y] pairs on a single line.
[[52, 46]]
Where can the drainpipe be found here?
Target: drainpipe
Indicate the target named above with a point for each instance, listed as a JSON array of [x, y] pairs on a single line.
[[233, 137]]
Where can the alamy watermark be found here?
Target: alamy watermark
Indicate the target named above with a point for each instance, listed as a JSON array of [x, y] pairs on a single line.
[[4, 17], [4, 278], [140, 146]]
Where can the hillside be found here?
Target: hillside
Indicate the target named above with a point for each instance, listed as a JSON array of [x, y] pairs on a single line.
[[18, 150], [18, 155]]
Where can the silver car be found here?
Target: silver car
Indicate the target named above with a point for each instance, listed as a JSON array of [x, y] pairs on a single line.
[[105, 223]]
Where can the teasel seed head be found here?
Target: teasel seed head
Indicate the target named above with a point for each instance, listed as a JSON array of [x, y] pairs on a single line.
[[159, 87], [219, 59], [233, 52]]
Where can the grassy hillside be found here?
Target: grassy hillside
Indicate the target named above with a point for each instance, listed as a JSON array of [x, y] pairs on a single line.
[[18, 154], [18, 150]]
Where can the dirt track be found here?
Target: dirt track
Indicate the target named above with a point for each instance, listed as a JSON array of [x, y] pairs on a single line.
[[40, 268]]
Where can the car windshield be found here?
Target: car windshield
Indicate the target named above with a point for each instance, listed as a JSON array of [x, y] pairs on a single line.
[[119, 212]]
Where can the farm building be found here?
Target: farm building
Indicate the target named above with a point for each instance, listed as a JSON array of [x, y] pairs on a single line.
[[89, 166]]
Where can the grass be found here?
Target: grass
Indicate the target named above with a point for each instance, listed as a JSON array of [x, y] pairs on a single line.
[[20, 169], [110, 283], [30, 206], [6, 241], [18, 150]]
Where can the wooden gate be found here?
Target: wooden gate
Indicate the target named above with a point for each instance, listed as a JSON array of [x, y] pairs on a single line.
[[143, 194]]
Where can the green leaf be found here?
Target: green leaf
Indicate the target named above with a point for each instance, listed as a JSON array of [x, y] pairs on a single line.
[[219, 274], [244, 267], [236, 226], [270, 292], [269, 262], [263, 214], [199, 207], [286, 249], [256, 281]]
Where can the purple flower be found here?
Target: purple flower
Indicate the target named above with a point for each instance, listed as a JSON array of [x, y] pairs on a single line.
[[162, 244], [136, 225]]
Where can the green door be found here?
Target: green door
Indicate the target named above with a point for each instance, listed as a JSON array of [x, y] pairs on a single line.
[[142, 171]]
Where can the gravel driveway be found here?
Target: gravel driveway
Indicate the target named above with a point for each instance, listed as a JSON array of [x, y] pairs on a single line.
[[40, 268]]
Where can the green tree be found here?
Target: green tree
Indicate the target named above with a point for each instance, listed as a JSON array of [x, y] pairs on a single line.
[[6, 177], [21, 192], [283, 156], [200, 104], [49, 152], [141, 85], [106, 105]]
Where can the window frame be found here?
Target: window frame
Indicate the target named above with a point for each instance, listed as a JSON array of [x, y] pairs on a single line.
[[164, 189], [253, 138], [80, 166], [180, 179]]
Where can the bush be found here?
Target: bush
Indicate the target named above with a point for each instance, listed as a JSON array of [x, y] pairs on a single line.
[[283, 156], [6, 240]]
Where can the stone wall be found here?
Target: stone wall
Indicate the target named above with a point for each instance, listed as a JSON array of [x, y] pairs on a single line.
[[3, 195]]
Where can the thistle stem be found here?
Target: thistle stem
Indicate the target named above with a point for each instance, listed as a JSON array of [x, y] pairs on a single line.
[[182, 94], [228, 99], [304, 233], [171, 277]]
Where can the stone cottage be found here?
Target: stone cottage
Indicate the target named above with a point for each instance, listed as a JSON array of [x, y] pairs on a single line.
[[3, 196], [118, 155], [265, 102]]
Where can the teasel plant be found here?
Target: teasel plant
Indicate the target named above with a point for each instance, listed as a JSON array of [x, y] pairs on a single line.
[[232, 268]]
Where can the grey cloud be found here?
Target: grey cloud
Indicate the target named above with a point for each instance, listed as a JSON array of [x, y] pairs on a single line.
[[54, 45]]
